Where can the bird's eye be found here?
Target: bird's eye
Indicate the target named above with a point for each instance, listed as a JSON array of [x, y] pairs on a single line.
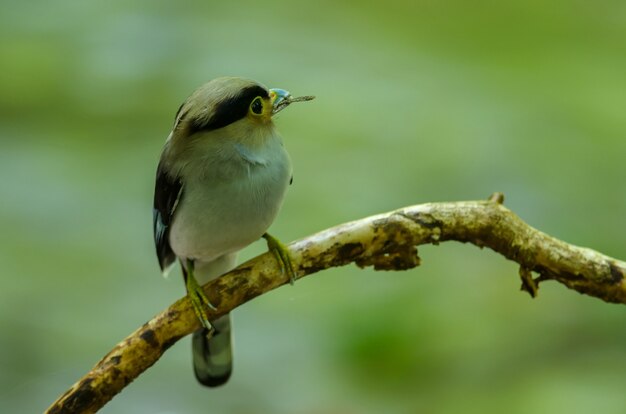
[[257, 106]]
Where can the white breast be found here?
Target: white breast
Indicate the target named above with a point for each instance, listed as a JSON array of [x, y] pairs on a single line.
[[229, 199]]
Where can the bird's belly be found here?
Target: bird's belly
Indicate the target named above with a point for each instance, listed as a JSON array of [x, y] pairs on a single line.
[[214, 219]]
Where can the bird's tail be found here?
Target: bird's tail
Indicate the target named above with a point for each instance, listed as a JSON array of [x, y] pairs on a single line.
[[213, 357]]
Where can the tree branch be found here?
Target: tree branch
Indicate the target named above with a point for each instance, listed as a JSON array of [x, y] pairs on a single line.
[[387, 242]]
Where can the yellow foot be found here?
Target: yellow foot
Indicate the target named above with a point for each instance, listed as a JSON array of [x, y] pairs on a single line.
[[282, 256], [198, 299]]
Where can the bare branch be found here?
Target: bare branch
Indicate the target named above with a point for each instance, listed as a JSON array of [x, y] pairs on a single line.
[[387, 242]]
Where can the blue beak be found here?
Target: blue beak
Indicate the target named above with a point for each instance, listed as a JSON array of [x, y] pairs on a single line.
[[279, 99]]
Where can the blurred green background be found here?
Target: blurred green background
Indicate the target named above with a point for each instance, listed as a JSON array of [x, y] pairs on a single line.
[[417, 101]]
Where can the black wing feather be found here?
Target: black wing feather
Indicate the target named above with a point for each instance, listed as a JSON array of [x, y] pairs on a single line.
[[167, 192]]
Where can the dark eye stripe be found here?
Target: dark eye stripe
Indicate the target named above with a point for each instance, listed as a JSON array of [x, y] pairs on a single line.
[[229, 110]]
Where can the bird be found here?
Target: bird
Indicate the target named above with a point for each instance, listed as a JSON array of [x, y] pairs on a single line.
[[220, 183]]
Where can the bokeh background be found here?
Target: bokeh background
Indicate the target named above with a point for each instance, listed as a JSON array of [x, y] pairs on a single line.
[[417, 101]]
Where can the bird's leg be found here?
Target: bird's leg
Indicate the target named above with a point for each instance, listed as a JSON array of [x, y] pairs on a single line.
[[197, 297], [282, 256]]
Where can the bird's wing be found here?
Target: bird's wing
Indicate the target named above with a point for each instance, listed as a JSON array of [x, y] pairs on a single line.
[[167, 192]]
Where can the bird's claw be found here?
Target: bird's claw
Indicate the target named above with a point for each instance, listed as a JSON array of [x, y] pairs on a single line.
[[199, 300], [281, 253]]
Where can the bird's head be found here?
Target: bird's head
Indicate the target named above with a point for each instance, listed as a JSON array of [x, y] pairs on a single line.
[[223, 114], [225, 101]]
